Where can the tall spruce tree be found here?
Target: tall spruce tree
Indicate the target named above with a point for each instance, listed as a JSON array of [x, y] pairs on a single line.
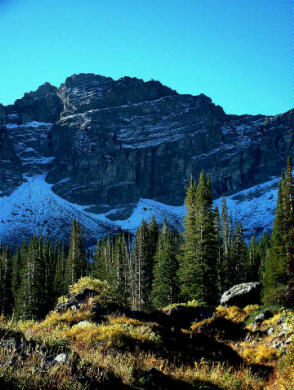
[[217, 227], [253, 261], [6, 296], [30, 297], [141, 264], [121, 275], [238, 256], [226, 234], [59, 286], [103, 266], [165, 287], [76, 265], [198, 270], [153, 233]]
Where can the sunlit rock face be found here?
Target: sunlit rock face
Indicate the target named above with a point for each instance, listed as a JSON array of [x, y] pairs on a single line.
[[121, 140], [107, 144]]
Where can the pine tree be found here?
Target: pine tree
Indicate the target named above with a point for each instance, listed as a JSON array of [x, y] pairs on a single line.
[[6, 296], [103, 267], [238, 255], [165, 288], [16, 273], [217, 228], [31, 298], [153, 233], [289, 233], [278, 270], [226, 234], [143, 274], [76, 265], [253, 261], [198, 270], [59, 286]]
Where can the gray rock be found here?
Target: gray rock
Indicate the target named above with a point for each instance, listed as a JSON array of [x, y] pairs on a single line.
[[83, 324], [242, 295], [282, 334], [289, 340], [74, 302], [265, 315], [184, 316], [42, 105], [61, 358], [270, 331], [281, 320]]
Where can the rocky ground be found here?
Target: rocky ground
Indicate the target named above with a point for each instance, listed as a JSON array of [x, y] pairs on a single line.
[[90, 340]]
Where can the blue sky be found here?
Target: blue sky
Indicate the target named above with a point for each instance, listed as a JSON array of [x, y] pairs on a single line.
[[238, 52]]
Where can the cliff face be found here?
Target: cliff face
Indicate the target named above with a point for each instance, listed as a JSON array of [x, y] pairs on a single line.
[[107, 143], [119, 141]]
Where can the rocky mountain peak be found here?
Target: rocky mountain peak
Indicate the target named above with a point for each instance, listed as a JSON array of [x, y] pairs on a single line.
[[106, 145], [41, 105], [83, 92]]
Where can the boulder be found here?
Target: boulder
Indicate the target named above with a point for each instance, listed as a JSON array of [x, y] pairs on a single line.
[[184, 316], [83, 324], [265, 315], [76, 300], [61, 358], [242, 295]]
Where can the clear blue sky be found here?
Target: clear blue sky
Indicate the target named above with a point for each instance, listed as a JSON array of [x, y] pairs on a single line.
[[238, 52]]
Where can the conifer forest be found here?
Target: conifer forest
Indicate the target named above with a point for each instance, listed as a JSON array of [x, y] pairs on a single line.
[[160, 266]]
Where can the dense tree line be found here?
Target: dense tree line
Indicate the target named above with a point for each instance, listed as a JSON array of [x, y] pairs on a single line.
[[160, 266], [278, 266], [38, 273]]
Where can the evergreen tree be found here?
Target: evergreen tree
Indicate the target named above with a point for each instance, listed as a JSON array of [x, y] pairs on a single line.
[[226, 242], [263, 247], [288, 236], [278, 270], [143, 274], [238, 255], [16, 273], [198, 271], [76, 265], [121, 282], [6, 297], [217, 228], [253, 261], [153, 233], [165, 288], [31, 299], [103, 262], [59, 286]]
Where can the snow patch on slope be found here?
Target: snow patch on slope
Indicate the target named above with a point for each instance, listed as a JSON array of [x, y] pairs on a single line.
[[255, 207], [34, 208]]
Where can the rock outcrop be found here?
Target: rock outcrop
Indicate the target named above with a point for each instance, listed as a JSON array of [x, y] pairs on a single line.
[[183, 316], [42, 105], [242, 295]]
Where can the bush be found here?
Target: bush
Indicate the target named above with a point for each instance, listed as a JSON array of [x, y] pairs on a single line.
[[192, 303], [234, 313], [101, 287], [68, 318], [260, 354], [284, 379], [116, 335]]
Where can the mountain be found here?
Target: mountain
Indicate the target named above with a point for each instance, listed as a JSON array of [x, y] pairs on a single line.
[[112, 152]]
